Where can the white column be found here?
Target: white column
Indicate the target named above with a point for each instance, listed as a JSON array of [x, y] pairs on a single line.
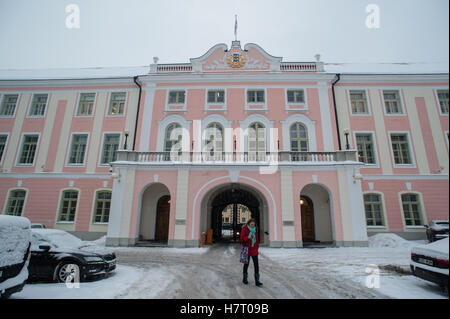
[[146, 120], [325, 117]]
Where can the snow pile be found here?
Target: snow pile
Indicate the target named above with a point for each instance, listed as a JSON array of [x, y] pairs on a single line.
[[438, 249], [389, 240], [15, 237]]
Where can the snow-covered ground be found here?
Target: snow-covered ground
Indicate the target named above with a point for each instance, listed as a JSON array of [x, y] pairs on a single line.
[[215, 272]]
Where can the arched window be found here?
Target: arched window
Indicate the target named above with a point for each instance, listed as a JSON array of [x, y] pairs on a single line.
[[412, 210], [299, 137], [68, 206], [257, 139], [374, 209], [102, 206], [172, 136], [16, 200], [214, 139]]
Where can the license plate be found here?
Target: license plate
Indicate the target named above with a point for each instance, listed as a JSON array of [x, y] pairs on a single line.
[[426, 261]]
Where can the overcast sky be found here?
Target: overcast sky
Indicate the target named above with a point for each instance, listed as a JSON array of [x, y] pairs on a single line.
[[33, 34]]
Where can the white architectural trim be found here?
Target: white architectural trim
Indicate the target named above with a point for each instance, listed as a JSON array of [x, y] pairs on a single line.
[[19, 149], [411, 150], [289, 105], [385, 225], [375, 148], [5, 204], [5, 148], [422, 210], [325, 117], [244, 124], [226, 124], [310, 126], [185, 125]]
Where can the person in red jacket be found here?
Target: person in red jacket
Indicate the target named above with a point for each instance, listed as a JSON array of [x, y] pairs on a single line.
[[249, 238]]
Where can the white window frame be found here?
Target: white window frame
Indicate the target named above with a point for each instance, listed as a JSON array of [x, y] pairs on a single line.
[[74, 222], [125, 107], [99, 164], [227, 129], [5, 204], [69, 150], [349, 101], [403, 106], [185, 125], [244, 125], [413, 159], [19, 151], [94, 205], [93, 107], [289, 104], [183, 109], [385, 227], [19, 96], [310, 126], [207, 104], [49, 96], [437, 99], [422, 210], [264, 104], [6, 147], [377, 162]]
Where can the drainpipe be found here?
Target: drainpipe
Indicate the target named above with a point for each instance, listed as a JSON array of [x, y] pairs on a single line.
[[137, 112], [336, 80]]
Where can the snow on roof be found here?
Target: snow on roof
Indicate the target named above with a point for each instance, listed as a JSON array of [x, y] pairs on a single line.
[[73, 73], [387, 68], [131, 71]]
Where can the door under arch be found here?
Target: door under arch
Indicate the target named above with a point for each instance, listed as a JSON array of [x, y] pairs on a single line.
[[307, 212], [231, 209], [162, 218]]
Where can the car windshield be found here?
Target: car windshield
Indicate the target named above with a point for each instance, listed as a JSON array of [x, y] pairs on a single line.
[[63, 239]]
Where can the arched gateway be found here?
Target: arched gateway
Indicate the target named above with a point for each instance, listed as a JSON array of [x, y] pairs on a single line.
[[226, 208]]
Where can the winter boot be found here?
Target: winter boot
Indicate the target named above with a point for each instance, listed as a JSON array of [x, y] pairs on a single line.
[[257, 282], [245, 280]]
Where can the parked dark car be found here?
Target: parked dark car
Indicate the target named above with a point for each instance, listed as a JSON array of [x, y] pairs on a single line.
[[15, 243], [430, 262], [57, 254], [437, 229]]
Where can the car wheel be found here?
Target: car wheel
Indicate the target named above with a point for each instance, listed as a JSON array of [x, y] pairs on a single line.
[[67, 271]]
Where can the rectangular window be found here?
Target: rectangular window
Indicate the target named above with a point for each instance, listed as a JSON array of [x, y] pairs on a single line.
[[392, 102], [177, 97], [255, 96], [296, 96], [86, 104], [117, 103], [3, 139], [110, 147], [38, 105], [411, 210], [216, 96], [68, 206], [78, 149], [365, 146], [29, 146], [400, 147], [8, 106], [358, 101], [102, 207], [443, 100], [373, 209], [16, 200]]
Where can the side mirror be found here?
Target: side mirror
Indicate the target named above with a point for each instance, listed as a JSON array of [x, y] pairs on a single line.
[[45, 247]]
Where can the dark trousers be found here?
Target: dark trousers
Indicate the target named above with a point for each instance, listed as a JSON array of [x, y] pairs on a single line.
[[255, 264]]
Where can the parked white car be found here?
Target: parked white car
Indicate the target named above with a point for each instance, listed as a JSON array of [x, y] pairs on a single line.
[[15, 246], [430, 262]]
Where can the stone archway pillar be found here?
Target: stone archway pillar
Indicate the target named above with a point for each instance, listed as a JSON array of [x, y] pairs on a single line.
[[181, 203], [287, 210], [121, 208]]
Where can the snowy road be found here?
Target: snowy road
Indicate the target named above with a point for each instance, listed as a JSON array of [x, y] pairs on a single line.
[[217, 273]]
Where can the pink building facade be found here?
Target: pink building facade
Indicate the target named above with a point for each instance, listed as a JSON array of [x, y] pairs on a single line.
[[315, 156]]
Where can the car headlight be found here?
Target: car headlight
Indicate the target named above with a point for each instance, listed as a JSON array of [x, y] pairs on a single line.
[[93, 259]]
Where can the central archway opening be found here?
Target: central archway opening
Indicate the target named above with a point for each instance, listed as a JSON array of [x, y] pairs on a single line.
[[230, 211]]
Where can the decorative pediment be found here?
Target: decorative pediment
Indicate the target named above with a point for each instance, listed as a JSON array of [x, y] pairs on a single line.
[[221, 59]]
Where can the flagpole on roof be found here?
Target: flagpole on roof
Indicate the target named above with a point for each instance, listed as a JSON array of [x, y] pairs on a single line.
[[235, 27]]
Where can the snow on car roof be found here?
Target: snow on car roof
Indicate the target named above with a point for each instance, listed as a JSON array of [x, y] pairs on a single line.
[[8, 221], [438, 249]]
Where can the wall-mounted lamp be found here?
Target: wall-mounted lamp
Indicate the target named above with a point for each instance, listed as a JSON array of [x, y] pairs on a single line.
[[346, 132], [126, 140]]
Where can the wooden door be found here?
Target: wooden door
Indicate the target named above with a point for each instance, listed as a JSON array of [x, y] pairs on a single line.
[[307, 211], [162, 218]]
